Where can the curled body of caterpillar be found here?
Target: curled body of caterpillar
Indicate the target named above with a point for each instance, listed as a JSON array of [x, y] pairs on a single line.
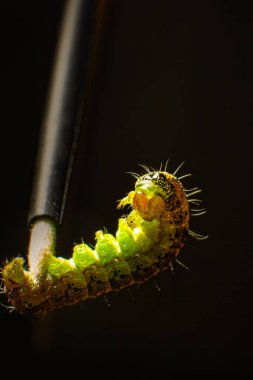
[[146, 242]]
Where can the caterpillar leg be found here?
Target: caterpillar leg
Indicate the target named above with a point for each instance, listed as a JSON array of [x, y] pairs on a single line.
[[128, 200]]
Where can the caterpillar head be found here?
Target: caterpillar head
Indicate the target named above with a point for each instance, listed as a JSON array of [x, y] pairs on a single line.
[[157, 183]]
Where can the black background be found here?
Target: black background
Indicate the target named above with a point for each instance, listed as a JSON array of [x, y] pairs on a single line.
[[174, 80]]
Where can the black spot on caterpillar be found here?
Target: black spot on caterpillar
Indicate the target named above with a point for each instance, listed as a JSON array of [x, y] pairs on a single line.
[[147, 241]]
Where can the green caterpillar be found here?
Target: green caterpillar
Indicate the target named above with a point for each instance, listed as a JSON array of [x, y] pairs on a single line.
[[146, 242]]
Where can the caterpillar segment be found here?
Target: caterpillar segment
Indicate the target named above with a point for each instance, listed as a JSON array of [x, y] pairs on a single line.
[[146, 242]]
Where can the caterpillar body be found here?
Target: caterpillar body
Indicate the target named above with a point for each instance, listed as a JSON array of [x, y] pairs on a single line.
[[147, 241]]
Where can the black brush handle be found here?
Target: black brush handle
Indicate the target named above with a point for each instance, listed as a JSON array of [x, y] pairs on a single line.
[[58, 126]]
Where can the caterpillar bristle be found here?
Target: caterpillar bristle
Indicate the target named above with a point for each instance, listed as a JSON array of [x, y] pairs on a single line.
[[171, 268], [197, 236], [8, 307], [195, 201], [181, 264], [194, 192], [105, 230], [166, 164], [156, 286], [106, 301], [145, 167], [130, 294], [199, 213], [182, 163], [188, 190], [133, 174], [184, 176]]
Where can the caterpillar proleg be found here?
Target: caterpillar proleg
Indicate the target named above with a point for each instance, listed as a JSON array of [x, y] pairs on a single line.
[[147, 241]]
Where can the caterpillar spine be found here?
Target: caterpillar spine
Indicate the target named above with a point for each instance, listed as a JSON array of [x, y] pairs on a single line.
[[147, 241]]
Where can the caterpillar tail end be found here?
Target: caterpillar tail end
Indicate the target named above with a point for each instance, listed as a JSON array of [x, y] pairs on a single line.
[[41, 246], [40, 251]]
